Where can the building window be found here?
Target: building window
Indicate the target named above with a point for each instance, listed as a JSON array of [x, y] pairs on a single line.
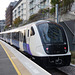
[[18, 8], [19, 13], [22, 6], [22, 11]]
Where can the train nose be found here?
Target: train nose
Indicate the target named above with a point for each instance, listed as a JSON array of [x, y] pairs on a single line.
[[58, 61]]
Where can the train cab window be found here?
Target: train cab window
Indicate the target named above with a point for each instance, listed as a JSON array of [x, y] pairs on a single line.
[[32, 32], [51, 33]]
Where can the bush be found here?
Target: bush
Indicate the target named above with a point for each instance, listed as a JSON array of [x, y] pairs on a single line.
[[73, 54], [44, 10], [73, 57], [6, 27], [33, 16], [41, 14], [52, 11]]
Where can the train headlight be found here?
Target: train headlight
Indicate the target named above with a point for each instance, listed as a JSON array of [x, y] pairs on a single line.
[[47, 49], [65, 48]]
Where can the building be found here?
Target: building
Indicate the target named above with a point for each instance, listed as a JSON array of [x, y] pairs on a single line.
[[9, 13], [20, 10], [36, 5], [2, 25], [25, 8]]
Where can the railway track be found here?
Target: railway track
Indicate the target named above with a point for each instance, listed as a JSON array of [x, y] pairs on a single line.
[[67, 70], [56, 71]]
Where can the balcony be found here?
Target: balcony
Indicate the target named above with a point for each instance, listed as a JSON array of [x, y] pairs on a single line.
[[32, 6], [42, 1], [31, 1]]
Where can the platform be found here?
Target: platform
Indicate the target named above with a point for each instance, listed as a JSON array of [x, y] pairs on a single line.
[[6, 67], [12, 62]]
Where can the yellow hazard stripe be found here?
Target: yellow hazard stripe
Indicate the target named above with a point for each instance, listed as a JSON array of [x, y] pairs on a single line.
[[11, 61]]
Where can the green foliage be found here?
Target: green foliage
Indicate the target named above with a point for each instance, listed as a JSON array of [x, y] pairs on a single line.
[[44, 10], [17, 21], [33, 16], [52, 10], [6, 27], [73, 57], [41, 13], [73, 54], [66, 4], [53, 2]]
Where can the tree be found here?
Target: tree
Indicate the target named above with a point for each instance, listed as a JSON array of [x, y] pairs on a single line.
[[17, 21], [66, 4], [41, 14], [54, 2]]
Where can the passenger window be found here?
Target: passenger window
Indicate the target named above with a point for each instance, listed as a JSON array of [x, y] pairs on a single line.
[[32, 32]]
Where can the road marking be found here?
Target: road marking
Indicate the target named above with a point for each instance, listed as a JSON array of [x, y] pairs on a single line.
[[11, 61]]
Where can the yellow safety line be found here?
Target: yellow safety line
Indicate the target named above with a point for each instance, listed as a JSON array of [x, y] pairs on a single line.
[[11, 61]]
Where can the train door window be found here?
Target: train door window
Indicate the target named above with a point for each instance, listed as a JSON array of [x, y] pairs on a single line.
[[32, 32], [8, 35], [28, 33], [2, 35], [20, 36], [17, 36], [13, 36], [24, 37]]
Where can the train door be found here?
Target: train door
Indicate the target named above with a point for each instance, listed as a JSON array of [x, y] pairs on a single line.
[[28, 41], [28, 36], [21, 40], [11, 38], [24, 41]]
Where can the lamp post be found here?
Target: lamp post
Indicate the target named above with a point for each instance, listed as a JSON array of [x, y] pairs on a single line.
[[56, 14]]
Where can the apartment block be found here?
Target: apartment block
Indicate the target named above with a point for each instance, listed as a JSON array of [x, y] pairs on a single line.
[[2, 25], [25, 8], [20, 10], [36, 5], [9, 13]]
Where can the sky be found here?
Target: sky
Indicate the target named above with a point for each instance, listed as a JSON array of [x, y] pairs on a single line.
[[3, 5]]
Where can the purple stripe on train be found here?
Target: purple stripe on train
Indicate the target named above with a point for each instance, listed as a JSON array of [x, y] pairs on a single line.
[[28, 49]]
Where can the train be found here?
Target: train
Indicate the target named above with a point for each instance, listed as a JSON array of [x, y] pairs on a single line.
[[43, 41]]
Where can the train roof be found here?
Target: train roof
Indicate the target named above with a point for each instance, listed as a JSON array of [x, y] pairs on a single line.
[[25, 26]]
